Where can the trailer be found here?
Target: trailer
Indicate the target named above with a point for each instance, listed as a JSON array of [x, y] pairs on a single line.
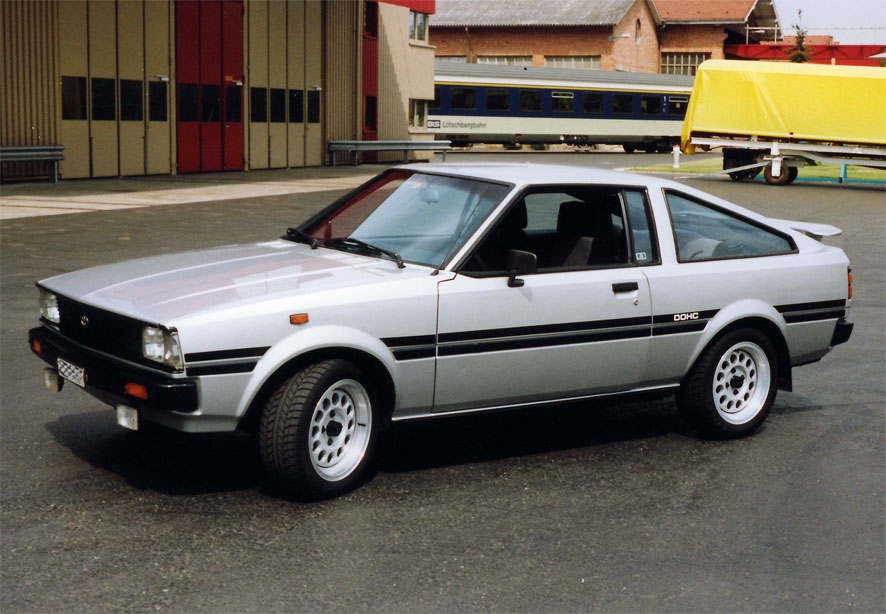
[[778, 117]]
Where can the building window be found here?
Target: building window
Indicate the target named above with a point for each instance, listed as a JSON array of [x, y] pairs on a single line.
[[296, 106], [233, 104], [507, 60], [370, 113], [314, 107], [278, 105], [455, 59], [187, 102], [131, 105], [211, 103], [682, 63], [370, 19], [637, 33], [418, 113], [258, 105], [581, 62], [418, 26], [157, 101], [104, 100], [74, 98]]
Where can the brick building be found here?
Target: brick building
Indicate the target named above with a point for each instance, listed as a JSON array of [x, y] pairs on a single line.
[[668, 36]]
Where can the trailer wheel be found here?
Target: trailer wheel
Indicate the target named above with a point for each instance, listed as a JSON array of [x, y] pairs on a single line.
[[787, 175]]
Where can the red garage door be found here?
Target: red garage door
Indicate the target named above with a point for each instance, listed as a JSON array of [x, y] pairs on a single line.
[[209, 69]]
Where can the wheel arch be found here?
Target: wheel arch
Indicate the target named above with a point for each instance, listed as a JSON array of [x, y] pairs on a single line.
[[772, 331], [371, 365]]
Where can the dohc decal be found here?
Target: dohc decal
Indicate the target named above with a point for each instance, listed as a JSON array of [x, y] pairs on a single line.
[[683, 317]]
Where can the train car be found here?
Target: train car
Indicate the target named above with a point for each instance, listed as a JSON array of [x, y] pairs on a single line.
[[515, 105]]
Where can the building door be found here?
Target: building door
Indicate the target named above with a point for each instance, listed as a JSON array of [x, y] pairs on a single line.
[[209, 62]]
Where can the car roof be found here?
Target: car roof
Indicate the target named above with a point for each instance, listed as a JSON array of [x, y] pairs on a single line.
[[521, 174]]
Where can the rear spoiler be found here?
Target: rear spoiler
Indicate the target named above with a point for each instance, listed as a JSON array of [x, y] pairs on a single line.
[[816, 231]]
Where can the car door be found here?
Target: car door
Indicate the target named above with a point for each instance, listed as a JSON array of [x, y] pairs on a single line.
[[580, 325]]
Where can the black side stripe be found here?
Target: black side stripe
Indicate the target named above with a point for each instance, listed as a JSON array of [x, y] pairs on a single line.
[[240, 360], [506, 339], [813, 312], [685, 322]]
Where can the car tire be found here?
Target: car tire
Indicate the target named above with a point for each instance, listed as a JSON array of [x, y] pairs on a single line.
[[731, 388], [318, 431]]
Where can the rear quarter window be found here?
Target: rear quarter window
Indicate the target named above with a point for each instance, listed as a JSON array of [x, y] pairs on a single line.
[[703, 231]]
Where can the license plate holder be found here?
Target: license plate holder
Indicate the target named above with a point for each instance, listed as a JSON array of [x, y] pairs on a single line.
[[71, 372]]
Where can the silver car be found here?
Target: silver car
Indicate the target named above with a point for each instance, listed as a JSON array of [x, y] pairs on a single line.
[[445, 289]]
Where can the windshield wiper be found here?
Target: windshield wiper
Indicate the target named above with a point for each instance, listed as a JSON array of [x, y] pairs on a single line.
[[367, 246], [294, 234]]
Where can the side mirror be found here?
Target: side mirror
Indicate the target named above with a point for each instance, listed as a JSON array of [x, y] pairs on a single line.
[[520, 263]]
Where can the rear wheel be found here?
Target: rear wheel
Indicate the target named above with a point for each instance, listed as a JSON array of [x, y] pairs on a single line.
[[731, 388], [318, 431]]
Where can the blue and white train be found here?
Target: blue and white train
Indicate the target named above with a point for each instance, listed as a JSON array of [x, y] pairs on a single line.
[[514, 105]]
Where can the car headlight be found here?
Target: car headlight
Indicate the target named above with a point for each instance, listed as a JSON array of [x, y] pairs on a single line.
[[162, 346], [49, 306]]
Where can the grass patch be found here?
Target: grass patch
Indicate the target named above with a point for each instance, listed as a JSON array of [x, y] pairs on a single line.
[[820, 171]]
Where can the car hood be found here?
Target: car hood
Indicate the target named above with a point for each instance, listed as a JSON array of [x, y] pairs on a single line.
[[161, 289]]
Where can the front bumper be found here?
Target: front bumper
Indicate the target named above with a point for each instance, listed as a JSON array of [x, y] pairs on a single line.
[[107, 377]]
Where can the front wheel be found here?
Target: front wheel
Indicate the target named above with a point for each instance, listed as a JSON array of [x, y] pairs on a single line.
[[731, 388], [318, 431]]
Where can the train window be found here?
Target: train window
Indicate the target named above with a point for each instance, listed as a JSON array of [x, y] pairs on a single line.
[[464, 98], [530, 100], [650, 105], [435, 104], [497, 100], [677, 105], [592, 102], [562, 102], [623, 103]]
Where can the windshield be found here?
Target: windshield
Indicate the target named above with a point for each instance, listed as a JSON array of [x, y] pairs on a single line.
[[422, 218]]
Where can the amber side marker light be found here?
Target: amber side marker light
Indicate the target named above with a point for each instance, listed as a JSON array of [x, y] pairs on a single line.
[[298, 318], [36, 346], [849, 277], [139, 391]]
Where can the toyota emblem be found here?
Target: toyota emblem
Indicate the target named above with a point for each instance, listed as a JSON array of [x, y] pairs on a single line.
[[84, 321]]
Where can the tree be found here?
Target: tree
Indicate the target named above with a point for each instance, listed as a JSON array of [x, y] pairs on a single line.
[[798, 52]]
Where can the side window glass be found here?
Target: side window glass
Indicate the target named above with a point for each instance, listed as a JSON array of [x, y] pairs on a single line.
[[644, 247], [565, 227], [703, 232]]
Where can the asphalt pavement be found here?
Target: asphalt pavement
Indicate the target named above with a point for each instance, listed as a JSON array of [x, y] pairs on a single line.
[[585, 507]]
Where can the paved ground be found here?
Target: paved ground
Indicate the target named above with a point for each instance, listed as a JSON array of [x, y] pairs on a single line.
[[579, 508]]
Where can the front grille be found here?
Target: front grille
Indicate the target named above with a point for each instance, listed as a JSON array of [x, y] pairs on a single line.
[[102, 330]]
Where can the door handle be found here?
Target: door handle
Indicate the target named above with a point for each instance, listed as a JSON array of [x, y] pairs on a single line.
[[626, 286]]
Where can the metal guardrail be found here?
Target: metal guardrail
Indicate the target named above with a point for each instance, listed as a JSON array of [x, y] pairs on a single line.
[[35, 153]]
